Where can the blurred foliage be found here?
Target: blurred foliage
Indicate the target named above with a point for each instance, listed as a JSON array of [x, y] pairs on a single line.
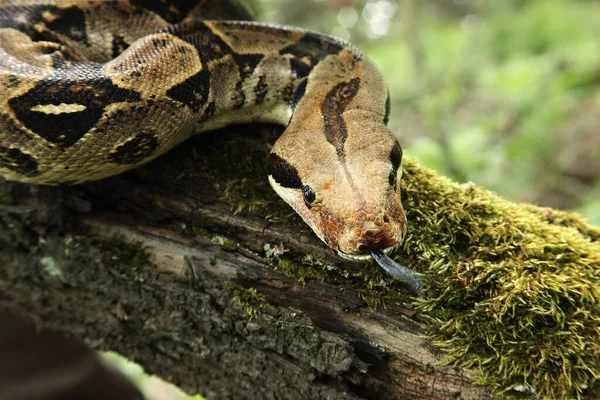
[[502, 93]]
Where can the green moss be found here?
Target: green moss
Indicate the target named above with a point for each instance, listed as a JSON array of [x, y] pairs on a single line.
[[115, 251], [215, 238], [245, 178], [300, 271], [370, 282], [513, 290], [248, 298], [6, 198]]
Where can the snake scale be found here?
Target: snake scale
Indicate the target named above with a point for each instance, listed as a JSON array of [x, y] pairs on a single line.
[[90, 89]]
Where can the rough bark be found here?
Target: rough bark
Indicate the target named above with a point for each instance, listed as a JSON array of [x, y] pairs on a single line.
[[63, 268]]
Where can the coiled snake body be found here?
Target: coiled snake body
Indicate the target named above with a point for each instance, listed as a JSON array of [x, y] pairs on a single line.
[[92, 89]]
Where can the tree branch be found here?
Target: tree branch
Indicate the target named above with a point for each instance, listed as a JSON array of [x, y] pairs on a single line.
[[154, 265]]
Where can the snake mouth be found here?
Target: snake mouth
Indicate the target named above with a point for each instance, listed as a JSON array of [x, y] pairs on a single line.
[[363, 257], [397, 271]]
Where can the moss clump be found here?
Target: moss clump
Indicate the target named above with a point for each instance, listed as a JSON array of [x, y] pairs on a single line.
[[370, 283], [6, 198], [248, 298], [115, 251], [301, 271], [513, 290], [244, 178]]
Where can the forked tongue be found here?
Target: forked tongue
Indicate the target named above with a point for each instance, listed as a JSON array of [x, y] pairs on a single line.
[[398, 271]]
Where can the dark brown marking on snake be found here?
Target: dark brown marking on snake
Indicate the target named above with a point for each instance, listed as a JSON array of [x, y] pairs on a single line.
[[247, 63], [396, 156], [308, 51], [193, 91], [287, 93], [13, 81], [17, 161], [300, 68], [211, 47], [283, 172], [260, 90], [396, 160], [69, 22], [238, 97], [298, 94], [158, 43], [332, 109], [83, 85], [135, 149], [119, 45], [58, 60], [386, 118], [209, 111]]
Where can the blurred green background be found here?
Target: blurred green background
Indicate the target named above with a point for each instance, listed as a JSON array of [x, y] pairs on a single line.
[[504, 93]]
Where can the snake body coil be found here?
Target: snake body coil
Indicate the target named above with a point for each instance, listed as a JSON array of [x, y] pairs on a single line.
[[92, 89]]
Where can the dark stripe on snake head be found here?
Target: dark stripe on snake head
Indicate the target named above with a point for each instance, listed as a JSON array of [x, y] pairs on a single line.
[[86, 88], [283, 172], [17, 161], [308, 51], [396, 160], [386, 118], [135, 149], [332, 109]]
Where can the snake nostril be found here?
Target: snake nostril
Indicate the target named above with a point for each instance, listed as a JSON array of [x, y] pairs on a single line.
[[386, 219]]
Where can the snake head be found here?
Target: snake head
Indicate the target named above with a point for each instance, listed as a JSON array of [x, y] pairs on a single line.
[[351, 200]]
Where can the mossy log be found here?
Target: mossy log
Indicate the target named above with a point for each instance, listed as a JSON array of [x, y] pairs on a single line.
[[192, 267]]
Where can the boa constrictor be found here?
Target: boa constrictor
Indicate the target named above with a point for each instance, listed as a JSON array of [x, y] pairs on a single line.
[[90, 89]]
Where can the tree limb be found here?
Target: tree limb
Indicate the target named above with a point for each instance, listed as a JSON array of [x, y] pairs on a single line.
[[154, 265]]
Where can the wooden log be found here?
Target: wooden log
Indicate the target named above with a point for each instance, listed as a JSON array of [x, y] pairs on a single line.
[[155, 265]]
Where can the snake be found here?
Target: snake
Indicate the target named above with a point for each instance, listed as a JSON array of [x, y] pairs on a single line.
[[91, 89]]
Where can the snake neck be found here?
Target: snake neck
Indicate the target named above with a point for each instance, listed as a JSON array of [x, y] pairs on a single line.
[[263, 73]]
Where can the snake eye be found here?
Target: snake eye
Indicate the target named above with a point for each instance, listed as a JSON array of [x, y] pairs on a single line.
[[309, 195]]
